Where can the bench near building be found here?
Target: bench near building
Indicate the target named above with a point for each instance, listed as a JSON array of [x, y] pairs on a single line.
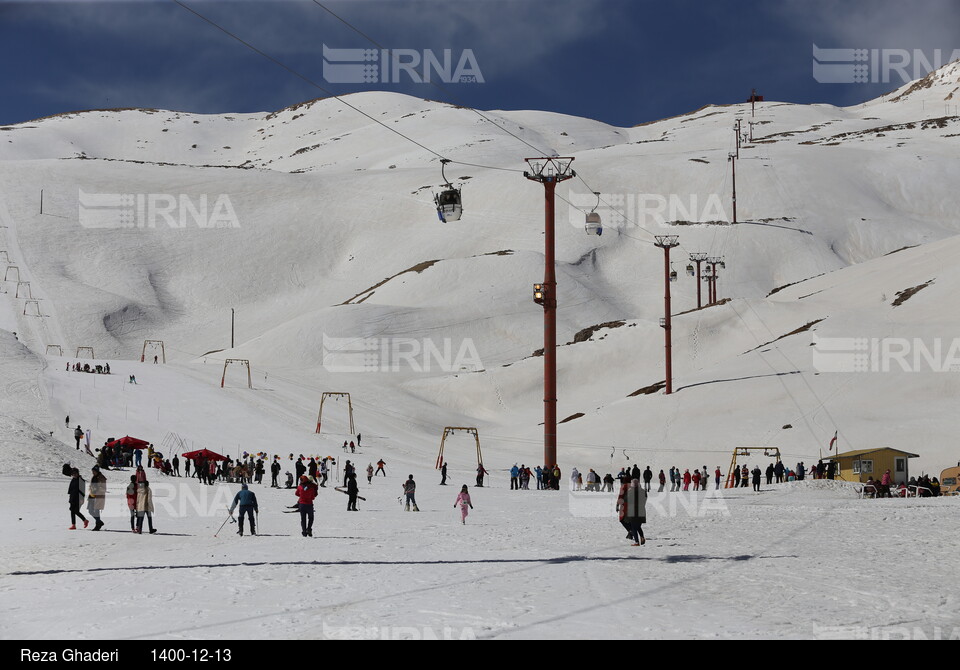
[[859, 466]]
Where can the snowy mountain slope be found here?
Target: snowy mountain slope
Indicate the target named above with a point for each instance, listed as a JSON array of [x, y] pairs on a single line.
[[345, 248]]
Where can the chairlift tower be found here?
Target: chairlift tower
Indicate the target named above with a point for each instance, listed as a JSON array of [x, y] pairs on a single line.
[[699, 258], [667, 242], [714, 262], [733, 166], [549, 172]]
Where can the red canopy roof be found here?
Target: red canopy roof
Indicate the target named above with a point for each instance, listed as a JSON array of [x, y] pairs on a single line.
[[130, 443], [204, 453]]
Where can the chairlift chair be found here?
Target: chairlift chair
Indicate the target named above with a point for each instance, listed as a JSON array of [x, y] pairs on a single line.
[[448, 201], [690, 271]]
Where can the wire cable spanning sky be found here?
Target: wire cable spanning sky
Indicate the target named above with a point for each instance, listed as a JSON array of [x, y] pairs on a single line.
[[619, 61]]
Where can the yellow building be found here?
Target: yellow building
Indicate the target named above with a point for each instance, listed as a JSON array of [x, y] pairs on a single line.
[[859, 466]]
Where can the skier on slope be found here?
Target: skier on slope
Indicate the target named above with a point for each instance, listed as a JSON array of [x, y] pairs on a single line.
[[247, 500], [463, 499], [380, 469], [410, 491]]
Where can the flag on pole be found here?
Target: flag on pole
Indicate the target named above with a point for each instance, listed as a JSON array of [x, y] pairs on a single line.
[[833, 442]]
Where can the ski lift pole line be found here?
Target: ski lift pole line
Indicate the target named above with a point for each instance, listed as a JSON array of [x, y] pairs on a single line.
[[328, 92]]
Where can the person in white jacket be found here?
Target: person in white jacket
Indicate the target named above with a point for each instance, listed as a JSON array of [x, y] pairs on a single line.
[[145, 506], [574, 479]]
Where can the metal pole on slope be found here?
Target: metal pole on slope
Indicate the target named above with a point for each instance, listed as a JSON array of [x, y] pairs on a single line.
[[699, 258], [733, 165], [549, 172], [667, 242]]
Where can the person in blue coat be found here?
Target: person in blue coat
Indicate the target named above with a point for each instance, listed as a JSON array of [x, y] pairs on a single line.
[[514, 478], [247, 500]]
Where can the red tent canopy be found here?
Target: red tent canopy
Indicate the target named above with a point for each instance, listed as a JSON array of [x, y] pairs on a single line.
[[204, 453], [129, 443]]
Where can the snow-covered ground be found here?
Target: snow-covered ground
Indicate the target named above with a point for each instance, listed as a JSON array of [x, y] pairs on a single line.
[[337, 246]]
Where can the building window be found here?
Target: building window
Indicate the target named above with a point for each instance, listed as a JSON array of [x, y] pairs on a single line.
[[901, 465], [863, 467]]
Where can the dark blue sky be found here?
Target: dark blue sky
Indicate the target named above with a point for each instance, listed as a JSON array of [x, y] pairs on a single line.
[[619, 61]]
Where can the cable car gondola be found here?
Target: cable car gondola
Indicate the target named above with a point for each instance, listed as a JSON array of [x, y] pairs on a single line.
[[448, 201], [593, 224]]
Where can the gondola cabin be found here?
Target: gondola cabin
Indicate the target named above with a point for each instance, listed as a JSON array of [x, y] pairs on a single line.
[[593, 225], [449, 205]]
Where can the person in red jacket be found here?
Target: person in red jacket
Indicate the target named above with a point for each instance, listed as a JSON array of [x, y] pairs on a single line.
[[696, 480], [686, 480], [132, 501], [306, 493]]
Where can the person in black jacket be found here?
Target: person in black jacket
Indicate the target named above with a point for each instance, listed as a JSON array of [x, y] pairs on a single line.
[[352, 491], [757, 473], [443, 473], [76, 494], [770, 472], [274, 473], [647, 478], [299, 468]]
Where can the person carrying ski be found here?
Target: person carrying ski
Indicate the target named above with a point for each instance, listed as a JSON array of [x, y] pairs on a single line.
[[145, 506], [463, 499], [75, 493], [247, 500], [97, 496], [353, 490], [410, 491], [306, 493], [380, 469]]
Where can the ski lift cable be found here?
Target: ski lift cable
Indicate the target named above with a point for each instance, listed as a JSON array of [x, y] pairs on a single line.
[[328, 92], [478, 113]]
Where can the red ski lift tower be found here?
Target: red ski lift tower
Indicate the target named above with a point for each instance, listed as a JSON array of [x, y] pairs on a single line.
[[549, 172], [699, 259], [667, 242]]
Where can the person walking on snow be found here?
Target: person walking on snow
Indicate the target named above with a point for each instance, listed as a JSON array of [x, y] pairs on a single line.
[[75, 494], [353, 491], [132, 502], [247, 500], [369, 473], [145, 506], [410, 491], [97, 496], [306, 493], [443, 474], [663, 481], [480, 473], [514, 478], [463, 499], [632, 507], [78, 435], [718, 475]]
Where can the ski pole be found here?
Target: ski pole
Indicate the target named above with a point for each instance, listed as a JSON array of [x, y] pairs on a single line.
[[229, 518]]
